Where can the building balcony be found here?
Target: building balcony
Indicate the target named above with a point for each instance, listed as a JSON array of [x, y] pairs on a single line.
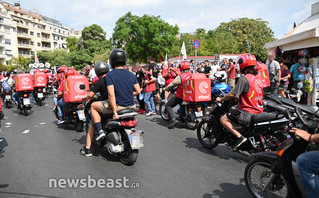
[[26, 55], [2, 45], [2, 34], [24, 35], [44, 48], [22, 25], [46, 39], [24, 45], [3, 56]]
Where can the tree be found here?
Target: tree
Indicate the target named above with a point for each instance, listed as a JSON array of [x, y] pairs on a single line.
[[250, 34], [20, 62], [94, 40], [72, 43], [57, 57], [101, 57], [144, 36], [80, 58]]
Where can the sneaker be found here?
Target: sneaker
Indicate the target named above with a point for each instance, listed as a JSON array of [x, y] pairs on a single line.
[[141, 111], [172, 124], [154, 113], [149, 113], [100, 135], [238, 142], [61, 121], [86, 152]]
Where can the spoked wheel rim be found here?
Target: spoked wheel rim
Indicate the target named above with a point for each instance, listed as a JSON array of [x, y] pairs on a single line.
[[258, 175], [206, 136], [163, 112]]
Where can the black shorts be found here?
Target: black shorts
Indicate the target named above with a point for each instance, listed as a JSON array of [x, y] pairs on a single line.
[[233, 115]]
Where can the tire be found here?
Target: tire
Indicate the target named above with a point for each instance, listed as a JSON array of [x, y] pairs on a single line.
[[40, 102], [25, 111], [163, 112], [56, 113], [258, 171], [129, 157], [78, 126], [8, 104], [190, 123], [205, 131]]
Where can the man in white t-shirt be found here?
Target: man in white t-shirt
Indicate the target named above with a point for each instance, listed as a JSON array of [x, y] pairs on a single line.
[[215, 68], [92, 74], [274, 74]]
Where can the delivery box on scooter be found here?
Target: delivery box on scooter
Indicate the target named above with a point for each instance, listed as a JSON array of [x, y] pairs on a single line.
[[75, 88], [264, 74], [40, 79], [24, 82], [197, 88]]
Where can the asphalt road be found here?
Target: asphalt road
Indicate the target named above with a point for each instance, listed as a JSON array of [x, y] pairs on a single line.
[[172, 163]]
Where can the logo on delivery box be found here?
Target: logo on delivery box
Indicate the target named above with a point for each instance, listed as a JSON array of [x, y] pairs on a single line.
[[203, 86], [40, 79], [25, 81], [77, 87]]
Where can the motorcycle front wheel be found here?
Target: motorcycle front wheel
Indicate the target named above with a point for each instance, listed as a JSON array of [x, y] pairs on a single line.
[[163, 111], [191, 121], [257, 173], [206, 134]]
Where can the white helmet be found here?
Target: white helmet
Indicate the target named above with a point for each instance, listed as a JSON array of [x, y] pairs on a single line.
[[222, 75]]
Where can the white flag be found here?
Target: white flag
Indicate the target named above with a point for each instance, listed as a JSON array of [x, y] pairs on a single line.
[[36, 60], [183, 51], [166, 62]]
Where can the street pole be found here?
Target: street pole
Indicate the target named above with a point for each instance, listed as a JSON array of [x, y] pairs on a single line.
[[196, 56]]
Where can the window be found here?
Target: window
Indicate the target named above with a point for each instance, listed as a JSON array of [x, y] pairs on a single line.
[[32, 43], [32, 33], [7, 29], [7, 41], [38, 34], [39, 44]]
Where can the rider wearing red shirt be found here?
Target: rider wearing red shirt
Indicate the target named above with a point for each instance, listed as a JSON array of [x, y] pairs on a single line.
[[249, 88]]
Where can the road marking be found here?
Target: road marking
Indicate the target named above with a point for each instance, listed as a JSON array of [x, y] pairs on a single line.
[[42, 123], [8, 123], [26, 131]]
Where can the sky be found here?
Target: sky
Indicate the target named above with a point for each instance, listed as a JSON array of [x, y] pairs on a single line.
[[187, 14]]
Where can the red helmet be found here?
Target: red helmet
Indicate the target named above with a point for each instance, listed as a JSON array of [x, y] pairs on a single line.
[[185, 65], [37, 70], [62, 68], [246, 60], [69, 72], [45, 71]]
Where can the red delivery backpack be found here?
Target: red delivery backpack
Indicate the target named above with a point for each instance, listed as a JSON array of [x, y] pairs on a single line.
[[197, 88], [40, 79], [24, 82], [75, 88], [264, 74]]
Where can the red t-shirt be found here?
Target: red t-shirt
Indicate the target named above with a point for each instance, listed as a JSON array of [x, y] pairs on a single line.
[[60, 87], [232, 72], [170, 77]]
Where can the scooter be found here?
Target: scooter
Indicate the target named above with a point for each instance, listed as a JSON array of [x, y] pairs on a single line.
[[74, 115], [38, 95], [188, 112], [275, 174], [8, 102], [25, 102]]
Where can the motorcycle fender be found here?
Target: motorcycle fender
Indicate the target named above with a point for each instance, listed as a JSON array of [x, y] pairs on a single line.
[[267, 156]]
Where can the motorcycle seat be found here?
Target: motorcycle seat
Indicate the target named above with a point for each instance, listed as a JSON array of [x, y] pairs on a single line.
[[265, 116]]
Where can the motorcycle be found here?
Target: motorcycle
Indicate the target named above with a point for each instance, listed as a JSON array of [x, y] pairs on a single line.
[[8, 102], [74, 115], [265, 131], [25, 102], [188, 112], [38, 95], [122, 139], [275, 174], [49, 88]]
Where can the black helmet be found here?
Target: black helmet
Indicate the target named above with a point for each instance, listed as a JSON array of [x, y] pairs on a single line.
[[101, 68], [15, 71], [201, 70], [6, 74], [118, 57]]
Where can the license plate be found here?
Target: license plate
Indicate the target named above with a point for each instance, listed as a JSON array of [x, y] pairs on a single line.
[[26, 101], [40, 95], [81, 115], [8, 97], [198, 114], [137, 139]]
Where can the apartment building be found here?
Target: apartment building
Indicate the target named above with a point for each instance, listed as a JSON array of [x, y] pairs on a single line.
[[24, 32]]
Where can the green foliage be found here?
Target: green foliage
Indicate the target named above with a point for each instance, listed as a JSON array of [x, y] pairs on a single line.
[[101, 57], [144, 36], [80, 58], [72, 43], [19, 62], [57, 57]]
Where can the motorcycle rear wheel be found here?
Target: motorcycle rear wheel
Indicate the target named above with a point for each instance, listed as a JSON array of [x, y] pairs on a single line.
[[40, 102], [257, 173], [190, 122], [25, 111], [163, 111], [78, 126], [206, 135], [129, 157]]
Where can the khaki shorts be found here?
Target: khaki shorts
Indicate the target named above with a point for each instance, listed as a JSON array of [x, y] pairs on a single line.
[[107, 109], [231, 83]]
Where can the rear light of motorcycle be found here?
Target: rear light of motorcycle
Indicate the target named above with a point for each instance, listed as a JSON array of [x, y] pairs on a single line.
[[190, 109], [25, 95], [280, 152], [129, 123], [40, 90]]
